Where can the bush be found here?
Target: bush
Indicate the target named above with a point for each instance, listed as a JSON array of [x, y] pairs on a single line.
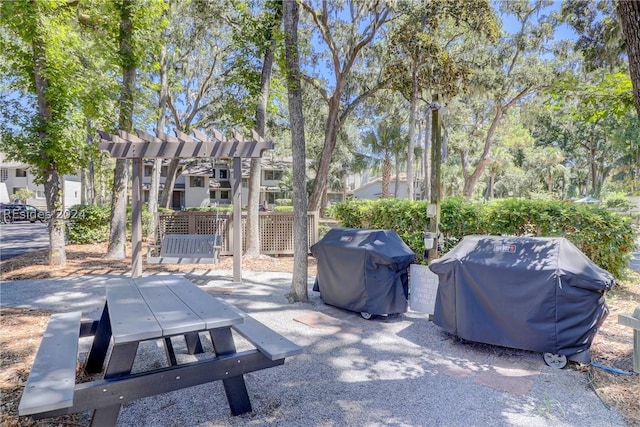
[[605, 237], [616, 201], [88, 224], [283, 202]]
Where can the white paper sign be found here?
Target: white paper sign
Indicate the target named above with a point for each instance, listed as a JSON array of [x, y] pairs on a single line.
[[423, 288]]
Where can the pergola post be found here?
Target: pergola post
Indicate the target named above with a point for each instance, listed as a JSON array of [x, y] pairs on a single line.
[[136, 218], [236, 192]]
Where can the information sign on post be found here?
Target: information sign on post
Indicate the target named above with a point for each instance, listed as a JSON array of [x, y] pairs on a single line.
[[423, 288]]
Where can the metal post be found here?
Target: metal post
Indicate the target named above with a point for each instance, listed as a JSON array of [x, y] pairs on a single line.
[[436, 162]]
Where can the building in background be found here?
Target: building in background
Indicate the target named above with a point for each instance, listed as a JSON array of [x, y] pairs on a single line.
[[16, 176], [209, 183]]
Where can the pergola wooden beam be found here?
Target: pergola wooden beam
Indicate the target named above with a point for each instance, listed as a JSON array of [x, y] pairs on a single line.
[[142, 145], [129, 146]]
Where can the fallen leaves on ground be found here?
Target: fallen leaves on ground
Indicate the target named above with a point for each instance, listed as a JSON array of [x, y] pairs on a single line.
[[21, 329]]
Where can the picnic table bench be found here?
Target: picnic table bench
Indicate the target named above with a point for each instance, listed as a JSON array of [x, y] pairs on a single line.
[[188, 249], [137, 310]]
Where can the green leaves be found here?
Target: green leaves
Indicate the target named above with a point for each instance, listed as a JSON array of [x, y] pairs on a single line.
[[605, 237]]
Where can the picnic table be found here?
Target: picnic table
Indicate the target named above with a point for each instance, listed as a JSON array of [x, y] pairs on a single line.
[[162, 308]]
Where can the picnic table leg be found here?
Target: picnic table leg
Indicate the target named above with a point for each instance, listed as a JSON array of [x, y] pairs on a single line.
[[194, 345], [235, 387], [120, 364], [168, 350], [100, 344]]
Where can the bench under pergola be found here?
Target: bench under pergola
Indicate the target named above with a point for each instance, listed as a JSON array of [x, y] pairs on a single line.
[[142, 145]]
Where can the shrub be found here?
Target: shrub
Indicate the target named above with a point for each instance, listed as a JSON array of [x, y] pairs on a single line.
[[616, 201], [88, 224], [605, 237], [284, 202]]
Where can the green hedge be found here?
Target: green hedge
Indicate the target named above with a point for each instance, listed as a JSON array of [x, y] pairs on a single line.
[[90, 223], [605, 237]]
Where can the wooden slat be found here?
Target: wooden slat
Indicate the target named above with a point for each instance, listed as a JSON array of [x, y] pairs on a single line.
[[201, 136], [131, 318], [219, 136], [627, 319], [129, 136], [172, 314], [190, 245], [270, 343], [183, 136], [181, 260], [147, 137], [215, 312], [184, 149], [51, 380]]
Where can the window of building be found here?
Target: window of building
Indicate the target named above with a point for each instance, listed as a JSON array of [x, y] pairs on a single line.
[[271, 198], [224, 195], [271, 175], [148, 169], [196, 181], [245, 182], [21, 173], [213, 173], [4, 174], [39, 194], [224, 174], [164, 170], [212, 196]]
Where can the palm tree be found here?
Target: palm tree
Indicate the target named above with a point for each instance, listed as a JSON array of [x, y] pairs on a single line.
[[384, 140]]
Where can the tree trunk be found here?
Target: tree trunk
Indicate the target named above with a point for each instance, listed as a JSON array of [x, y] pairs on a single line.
[[118, 228], [52, 189], [298, 291], [154, 189], [386, 176], [472, 180], [169, 183], [117, 233], [490, 190], [426, 157], [412, 131], [397, 177], [255, 172], [629, 11], [594, 170], [330, 138]]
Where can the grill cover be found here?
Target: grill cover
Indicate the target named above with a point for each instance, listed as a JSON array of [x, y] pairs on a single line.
[[363, 270], [538, 294]]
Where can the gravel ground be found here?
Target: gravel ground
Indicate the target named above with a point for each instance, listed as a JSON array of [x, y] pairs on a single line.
[[399, 370]]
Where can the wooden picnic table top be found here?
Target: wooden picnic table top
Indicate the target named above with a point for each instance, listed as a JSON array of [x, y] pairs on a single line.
[[153, 307]]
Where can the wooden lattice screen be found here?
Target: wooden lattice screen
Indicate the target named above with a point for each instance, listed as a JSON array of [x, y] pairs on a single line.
[[276, 229]]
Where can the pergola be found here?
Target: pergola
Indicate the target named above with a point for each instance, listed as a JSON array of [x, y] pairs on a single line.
[[162, 146]]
